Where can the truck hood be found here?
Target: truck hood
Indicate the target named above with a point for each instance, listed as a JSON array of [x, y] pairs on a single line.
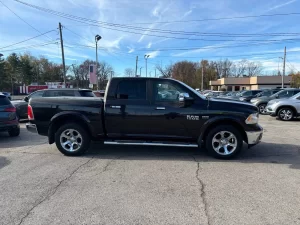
[[231, 105]]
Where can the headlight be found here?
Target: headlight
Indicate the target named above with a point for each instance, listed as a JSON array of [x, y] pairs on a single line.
[[252, 119], [253, 100], [242, 99]]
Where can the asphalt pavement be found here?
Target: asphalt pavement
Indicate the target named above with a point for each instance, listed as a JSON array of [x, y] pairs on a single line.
[[115, 185]]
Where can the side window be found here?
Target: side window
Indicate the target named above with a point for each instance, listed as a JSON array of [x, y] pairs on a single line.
[[51, 93], [166, 92], [66, 93], [296, 92], [37, 94], [247, 93], [131, 89]]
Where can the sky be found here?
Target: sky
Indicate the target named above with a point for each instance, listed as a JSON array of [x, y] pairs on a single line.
[[168, 31]]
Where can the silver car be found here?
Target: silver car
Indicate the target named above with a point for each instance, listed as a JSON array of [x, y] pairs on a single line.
[[285, 109]]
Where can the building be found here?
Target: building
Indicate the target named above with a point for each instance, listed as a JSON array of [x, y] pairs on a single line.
[[249, 83]]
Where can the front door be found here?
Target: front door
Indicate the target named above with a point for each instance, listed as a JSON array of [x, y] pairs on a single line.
[[172, 119], [127, 112]]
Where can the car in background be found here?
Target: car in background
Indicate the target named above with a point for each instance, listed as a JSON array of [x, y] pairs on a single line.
[[8, 118], [285, 109], [21, 105], [213, 94], [261, 102], [7, 94], [268, 92], [99, 93], [246, 96]]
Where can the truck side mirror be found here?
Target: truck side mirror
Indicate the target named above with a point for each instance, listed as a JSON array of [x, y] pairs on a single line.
[[26, 99], [183, 96]]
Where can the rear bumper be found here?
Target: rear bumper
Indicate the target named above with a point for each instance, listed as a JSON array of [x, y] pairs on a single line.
[[254, 137], [31, 127], [14, 124]]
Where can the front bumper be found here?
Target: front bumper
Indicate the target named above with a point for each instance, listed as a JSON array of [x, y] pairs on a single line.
[[31, 127], [8, 125], [270, 111], [254, 137]]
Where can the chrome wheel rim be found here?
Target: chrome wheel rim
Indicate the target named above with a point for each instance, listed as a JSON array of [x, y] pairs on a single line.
[[286, 114], [70, 140], [224, 143], [262, 109]]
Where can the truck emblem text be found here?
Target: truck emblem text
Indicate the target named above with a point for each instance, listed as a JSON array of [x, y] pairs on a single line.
[[189, 117]]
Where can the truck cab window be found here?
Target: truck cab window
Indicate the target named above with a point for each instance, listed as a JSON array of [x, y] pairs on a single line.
[[166, 92], [131, 89]]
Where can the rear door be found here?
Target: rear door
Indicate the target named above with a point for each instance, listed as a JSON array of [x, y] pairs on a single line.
[[127, 109]]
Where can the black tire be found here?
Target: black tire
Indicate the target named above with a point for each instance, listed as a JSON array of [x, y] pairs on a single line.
[[236, 140], [80, 135], [262, 109], [15, 132], [285, 114]]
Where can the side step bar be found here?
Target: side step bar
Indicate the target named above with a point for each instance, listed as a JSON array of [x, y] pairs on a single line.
[[150, 144]]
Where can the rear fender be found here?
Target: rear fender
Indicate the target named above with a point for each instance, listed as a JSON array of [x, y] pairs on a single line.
[[64, 117]]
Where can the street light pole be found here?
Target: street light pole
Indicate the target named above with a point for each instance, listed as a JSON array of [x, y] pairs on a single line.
[[146, 58], [97, 38], [141, 71]]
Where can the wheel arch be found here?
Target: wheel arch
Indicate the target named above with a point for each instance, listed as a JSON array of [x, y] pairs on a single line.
[[286, 106], [219, 122], [67, 117]]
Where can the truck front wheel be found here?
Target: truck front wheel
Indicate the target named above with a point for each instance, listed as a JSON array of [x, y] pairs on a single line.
[[224, 142], [72, 139]]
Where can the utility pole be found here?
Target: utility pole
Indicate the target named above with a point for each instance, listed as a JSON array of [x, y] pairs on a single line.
[[202, 71], [136, 65], [141, 71], [97, 38], [146, 58], [283, 72], [62, 52]]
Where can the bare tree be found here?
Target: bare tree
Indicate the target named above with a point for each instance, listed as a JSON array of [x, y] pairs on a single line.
[[223, 68], [129, 72], [103, 72], [165, 71], [254, 69]]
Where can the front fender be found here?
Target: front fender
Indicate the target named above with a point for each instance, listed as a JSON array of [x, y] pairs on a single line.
[[211, 123]]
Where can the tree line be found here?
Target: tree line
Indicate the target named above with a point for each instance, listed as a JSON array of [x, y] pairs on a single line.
[[25, 69]]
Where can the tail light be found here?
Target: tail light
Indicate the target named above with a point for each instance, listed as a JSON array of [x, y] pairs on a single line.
[[30, 113], [10, 109]]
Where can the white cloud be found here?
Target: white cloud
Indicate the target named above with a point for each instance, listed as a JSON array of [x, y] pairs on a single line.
[[149, 44], [281, 5], [153, 54], [130, 49]]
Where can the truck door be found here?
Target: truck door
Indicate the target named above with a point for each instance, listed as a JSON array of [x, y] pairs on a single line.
[[172, 119], [127, 109]]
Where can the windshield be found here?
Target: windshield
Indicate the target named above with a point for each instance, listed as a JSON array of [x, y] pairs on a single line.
[[295, 96]]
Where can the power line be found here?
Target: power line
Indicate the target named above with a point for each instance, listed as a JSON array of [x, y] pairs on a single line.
[[77, 34], [27, 47], [126, 26], [23, 20], [27, 39]]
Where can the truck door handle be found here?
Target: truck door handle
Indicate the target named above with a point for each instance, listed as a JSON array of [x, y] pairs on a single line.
[[115, 106], [160, 108]]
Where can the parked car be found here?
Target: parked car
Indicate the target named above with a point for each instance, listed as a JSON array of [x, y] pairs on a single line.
[[99, 93], [268, 92], [8, 117], [7, 94], [213, 94], [135, 113], [285, 109], [246, 96], [21, 105], [262, 102]]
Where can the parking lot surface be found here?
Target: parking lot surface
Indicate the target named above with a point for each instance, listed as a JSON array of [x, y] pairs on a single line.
[[137, 185]]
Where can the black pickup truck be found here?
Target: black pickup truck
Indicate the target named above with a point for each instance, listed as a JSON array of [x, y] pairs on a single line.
[[146, 111]]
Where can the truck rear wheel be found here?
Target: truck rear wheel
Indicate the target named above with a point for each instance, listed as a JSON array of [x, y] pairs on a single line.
[[224, 142], [72, 139]]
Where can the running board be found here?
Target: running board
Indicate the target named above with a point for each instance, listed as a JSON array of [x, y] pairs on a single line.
[[150, 144]]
